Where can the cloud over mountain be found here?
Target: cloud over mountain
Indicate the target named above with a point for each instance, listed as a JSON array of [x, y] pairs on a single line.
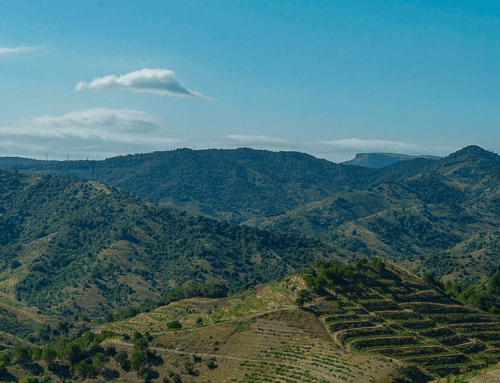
[[156, 81]]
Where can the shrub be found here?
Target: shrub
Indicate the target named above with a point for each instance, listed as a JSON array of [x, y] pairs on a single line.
[[122, 358], [175, 324], [175, 377], [141, 344], [49, 355], [83, 369], [304, 296], [211, 363], [99, 360]]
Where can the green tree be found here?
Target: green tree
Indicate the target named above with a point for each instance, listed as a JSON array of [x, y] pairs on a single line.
[[49, 355], [494, 285], [175, 324], [71, 352], [122, 358], [60, 346], [175, 377], [36, 353], [98, 361], [21, 355], [303, 297], [141, 344], [211, 363], [82, 368], [5, 359], [138, 360]]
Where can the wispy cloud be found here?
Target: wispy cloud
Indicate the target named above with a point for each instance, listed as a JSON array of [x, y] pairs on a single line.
[[88, 124], [101, 133], [21, 48], [90, 131], [156, 81]]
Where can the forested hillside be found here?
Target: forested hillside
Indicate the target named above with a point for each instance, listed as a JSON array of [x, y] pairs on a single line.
[[78, 246], [235, 185], [444, 219], [439, 216]]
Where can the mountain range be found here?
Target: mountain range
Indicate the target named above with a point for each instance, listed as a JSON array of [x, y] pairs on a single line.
[[421, 212], [234, 185], [88, 240]]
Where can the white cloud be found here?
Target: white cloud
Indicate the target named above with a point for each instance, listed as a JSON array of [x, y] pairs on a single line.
[[99, 122], [125, 126], [102, 133], [157, 81], [88, 132], [21, 48]]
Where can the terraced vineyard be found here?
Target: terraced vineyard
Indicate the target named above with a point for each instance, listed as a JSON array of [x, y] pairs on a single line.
[[397, 315], [258, 336], [360, 323], [368, 324]]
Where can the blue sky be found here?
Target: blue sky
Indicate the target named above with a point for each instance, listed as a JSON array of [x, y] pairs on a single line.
[[94, 79]]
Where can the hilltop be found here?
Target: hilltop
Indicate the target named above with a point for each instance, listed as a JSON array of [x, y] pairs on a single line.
[[380, 160]]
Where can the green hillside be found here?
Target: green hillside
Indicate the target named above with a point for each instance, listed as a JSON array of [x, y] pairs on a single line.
[[447, 212], [79, 247], [233, 185], [363, 322]]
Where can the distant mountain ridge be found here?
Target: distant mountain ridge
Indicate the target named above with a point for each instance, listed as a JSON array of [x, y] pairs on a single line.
[[446, 216], [380, 160], [234, 185], [410, 211]]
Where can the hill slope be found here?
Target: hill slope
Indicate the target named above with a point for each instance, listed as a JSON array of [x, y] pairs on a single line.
[[80, 247], [234, 185], [450, 204], [363, 322], [408, 210]]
